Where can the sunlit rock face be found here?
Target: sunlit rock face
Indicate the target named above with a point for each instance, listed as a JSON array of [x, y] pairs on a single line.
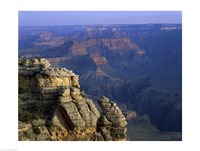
[[53, 107]]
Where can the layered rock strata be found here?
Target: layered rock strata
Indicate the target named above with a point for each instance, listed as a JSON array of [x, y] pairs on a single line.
[[53, 107], [112, 122]]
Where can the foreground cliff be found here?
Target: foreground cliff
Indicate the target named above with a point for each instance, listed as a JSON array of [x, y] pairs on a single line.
[[53, 107]]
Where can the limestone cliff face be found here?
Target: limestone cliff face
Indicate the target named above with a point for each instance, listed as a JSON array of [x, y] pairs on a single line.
[[112, 44], [53, 107]]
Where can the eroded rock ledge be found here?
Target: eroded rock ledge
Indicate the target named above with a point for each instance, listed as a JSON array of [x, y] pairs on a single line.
[[53, 107]]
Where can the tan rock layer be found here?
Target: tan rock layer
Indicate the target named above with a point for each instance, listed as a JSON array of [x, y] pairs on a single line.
[[112, 121], [52, 107]]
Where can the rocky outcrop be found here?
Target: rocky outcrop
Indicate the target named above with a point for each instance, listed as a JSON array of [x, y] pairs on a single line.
[[112, 121], [53, 107]]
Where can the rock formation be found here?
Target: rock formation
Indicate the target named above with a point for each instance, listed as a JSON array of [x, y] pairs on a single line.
[[115, 45], [112, 121], [53, 107]]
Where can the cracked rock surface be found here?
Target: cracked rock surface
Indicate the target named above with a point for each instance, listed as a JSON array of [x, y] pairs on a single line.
[[52, 107]]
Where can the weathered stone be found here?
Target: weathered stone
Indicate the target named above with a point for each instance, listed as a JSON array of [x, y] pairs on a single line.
[[75, 82], [24, 126], [37, 123], [64, 99], [64, 92], [113, 103], [118, 130], [77, 97], [46, 96], [98, 137], [54, 82], [93, 107], [106, 134], [90, 103], [35, 61], [118, 136], [20, 134], [93, 119], [104, 99], [73, 114], [45, 62], [81, 104], [84, 111], [105, 104], [55, 118], [53, 95], [113, 119], [74, 91], [105, 121], [124, 123], [48, 90]]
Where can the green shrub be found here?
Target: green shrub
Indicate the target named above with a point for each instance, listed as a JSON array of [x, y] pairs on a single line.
[[22, 62], [27, 134], [27, 114], [22, 81], [31, 61]]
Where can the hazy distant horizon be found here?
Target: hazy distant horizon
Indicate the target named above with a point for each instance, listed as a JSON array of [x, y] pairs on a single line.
[[96, 24], [75, 18]]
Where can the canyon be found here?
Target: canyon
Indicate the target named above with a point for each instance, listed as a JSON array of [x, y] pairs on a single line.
[[138, 66]]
